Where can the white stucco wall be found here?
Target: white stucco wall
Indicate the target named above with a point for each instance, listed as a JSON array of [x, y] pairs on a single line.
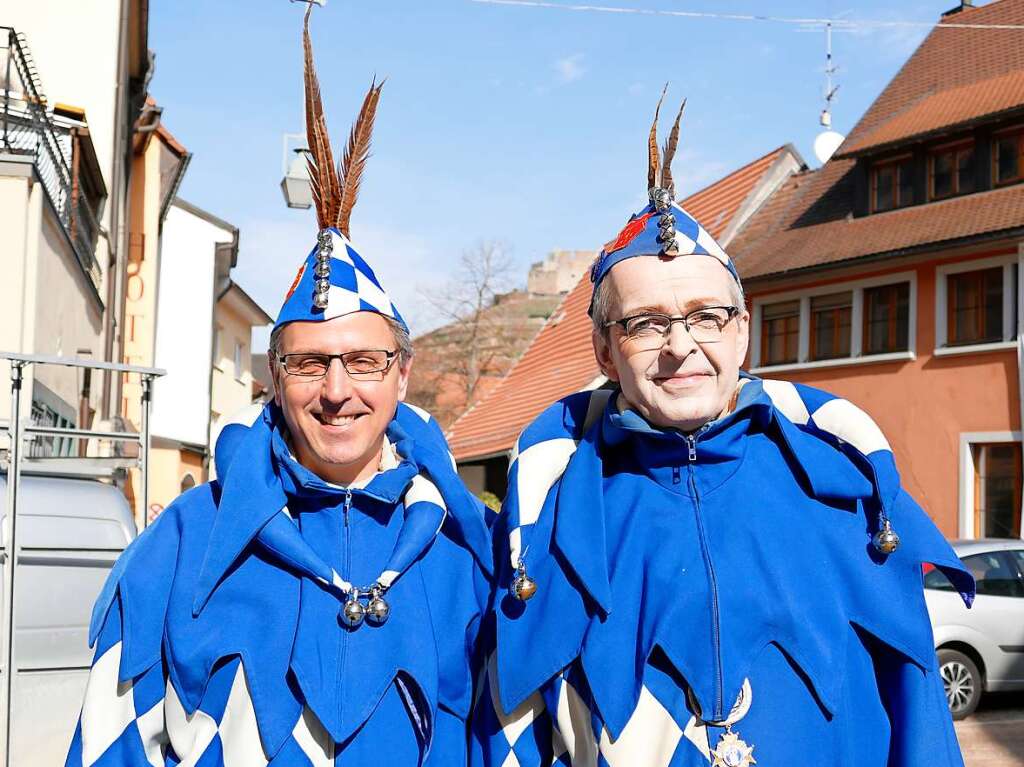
[[75, 48], [184, 333]]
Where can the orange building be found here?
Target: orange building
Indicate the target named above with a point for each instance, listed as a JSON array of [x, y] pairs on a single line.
[[889, 276]]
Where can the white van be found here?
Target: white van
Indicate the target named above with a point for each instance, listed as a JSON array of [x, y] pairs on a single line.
[[71, 531]]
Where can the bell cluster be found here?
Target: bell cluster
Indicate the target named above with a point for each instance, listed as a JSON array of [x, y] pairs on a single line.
[[322, 270], [662, 201], [375, 612]]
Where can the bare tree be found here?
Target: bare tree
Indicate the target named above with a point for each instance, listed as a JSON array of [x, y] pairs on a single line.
[[474, 334]]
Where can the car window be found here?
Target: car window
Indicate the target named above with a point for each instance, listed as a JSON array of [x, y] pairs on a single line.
[[935, 579], [996, 574]]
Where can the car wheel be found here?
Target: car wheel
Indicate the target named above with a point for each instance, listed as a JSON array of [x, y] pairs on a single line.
[[961, 681]]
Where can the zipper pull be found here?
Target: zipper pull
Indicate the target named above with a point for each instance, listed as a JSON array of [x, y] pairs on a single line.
[[692, 442], [675, 475], [348, 504]]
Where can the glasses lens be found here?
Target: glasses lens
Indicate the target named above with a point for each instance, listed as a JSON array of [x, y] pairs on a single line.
[[365, 362], [646, 326], [707, 324], [307, 364]]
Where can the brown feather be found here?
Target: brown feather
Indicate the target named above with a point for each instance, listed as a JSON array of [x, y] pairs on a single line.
[[323, 176], [652, 145], [670, 153], [357, 151]]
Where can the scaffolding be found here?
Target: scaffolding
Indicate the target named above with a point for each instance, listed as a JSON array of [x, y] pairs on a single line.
[[17, 432]]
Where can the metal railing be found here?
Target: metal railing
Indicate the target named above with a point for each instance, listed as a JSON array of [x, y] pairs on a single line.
[[26, 128], [17, 433]]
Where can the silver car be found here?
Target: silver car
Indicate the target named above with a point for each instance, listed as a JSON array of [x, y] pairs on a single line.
[[981, 649]]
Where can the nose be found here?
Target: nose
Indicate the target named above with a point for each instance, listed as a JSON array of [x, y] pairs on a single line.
[[679, 343], [336, 386]]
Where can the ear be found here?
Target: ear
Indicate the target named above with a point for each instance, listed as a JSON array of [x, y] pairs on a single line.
[[603, 355], [403, 380], [274, 366], [742, 336]]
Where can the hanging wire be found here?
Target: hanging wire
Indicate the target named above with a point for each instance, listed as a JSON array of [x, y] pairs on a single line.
[[823, 22]]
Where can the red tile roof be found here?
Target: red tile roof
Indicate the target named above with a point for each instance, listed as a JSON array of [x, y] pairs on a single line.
[[763, 249], [946, 111], [560, 360], [955, 75]]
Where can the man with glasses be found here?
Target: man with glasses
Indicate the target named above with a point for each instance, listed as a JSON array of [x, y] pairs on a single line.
[[318, 603], [701, 567]]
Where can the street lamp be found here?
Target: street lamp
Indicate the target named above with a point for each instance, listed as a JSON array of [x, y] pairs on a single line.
[[298, 193]]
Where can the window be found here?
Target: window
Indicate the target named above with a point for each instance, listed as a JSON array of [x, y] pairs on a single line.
[[871, 319], [975, 307], [887, 318], [952, 171], [997, 489], [1007, 166], [892, 185], [238, 360], [780, 333], [995, 574], [831, 316]]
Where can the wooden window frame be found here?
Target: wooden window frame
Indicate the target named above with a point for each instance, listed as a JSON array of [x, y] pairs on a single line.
[[836, 329], [897, 163], [955, 149], [893, 324], [766, 338], [1017, 131], [980, 309]]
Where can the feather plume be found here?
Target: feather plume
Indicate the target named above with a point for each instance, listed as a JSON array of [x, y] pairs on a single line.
[[322, 174], [652, 145], [669, 154], [357, 151]]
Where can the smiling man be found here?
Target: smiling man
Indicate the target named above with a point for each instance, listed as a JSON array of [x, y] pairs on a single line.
[[318, 604], [702, 567]]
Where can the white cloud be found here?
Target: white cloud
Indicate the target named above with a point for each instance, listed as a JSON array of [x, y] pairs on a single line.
[[570, 68]]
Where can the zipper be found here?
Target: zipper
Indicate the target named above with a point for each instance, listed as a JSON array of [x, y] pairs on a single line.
[[716, 629], [347, 559]]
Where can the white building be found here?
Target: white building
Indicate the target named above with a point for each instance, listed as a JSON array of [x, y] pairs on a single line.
[[64, 167], [203, 339]]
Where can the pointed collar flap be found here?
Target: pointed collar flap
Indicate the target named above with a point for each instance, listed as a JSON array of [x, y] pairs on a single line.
[[250, 496]]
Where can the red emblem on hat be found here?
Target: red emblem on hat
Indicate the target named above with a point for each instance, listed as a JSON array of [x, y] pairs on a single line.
[[295, 284], [629, 233]]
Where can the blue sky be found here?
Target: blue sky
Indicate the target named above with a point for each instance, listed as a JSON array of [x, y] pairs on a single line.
[[515, 124]]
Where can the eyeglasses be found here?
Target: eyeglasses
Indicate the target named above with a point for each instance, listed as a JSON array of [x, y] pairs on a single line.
[[705, 325], [363, 364]]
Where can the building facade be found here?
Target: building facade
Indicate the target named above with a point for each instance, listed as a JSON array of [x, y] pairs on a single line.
[[890, 276]]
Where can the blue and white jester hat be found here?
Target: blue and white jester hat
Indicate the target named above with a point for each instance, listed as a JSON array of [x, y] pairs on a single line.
[[662, 228], [334, 279]]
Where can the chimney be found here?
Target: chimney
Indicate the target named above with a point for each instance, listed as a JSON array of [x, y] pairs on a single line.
[[964, 6]]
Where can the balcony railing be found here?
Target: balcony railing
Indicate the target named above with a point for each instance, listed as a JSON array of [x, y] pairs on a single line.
[[27, 129]]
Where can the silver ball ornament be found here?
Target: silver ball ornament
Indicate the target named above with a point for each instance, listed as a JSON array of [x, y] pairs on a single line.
[[886, 540], [523, 587], [377, 611], [353, 612]]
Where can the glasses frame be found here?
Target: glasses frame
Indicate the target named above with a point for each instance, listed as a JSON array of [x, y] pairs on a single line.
[[732, 311], [359, 376]]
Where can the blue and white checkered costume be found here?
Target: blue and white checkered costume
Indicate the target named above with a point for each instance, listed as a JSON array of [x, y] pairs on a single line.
[[218, 639], [744, 565]]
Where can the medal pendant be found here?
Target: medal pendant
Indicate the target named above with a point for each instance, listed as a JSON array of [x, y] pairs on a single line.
[[732, 751]]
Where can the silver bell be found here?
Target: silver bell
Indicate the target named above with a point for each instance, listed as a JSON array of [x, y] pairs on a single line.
[[353, 612], [886, 540], [378, 610], [523, 586]]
